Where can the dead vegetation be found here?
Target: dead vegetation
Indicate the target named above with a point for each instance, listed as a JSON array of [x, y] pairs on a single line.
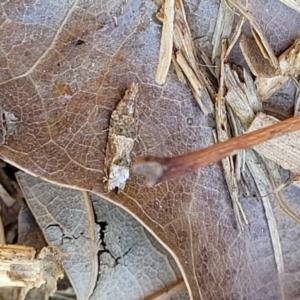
[[238, 109], [247, 137]]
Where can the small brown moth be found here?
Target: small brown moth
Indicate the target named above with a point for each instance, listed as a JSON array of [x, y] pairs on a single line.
[[8, 123], [121, 137]]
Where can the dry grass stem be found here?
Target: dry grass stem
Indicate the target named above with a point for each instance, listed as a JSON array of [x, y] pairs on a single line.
[[296, 180], [237, 129], [207, 63], [264, 188], [178, 70], [180, 36], [223, 28], [197, 88], [222, 135], [251, 92], [274, 173], [201, 44], [286, 209], [297, 96], [260, 44], [166, 43], [237, 5], [294, 4], [235, 36], [237, 98], [297, 100], [184, 45]]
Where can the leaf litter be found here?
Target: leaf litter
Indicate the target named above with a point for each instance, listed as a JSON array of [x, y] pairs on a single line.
[[236, 101], [21, 267], [245, 108]]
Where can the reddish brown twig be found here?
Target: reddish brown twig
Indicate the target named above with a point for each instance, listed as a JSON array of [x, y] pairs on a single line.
[[158, 169]]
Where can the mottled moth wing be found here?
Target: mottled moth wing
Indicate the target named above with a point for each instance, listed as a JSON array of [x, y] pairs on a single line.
[[121, 137]]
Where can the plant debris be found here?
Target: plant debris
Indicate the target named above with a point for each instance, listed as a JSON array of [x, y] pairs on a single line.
[[183, 43], [166, 15], [158, 169], [20, 268], [275, 177], [235, 36], [223, 134], [237, 96], [294, 4], [260, 37], [257, 62], [289, 65], [178, 33], [264, 188], [273, 149], [223, 28]]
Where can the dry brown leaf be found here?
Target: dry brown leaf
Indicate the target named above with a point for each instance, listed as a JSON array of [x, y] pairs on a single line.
[[170, 292], [63, 84], [8, 123]]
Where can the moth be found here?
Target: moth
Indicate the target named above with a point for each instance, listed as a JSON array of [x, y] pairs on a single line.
[[8, 122], [121, 137]]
